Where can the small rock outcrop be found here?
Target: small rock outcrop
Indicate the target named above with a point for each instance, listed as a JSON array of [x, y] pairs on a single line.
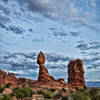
[[7, 78], [43, 72], [76, 74]]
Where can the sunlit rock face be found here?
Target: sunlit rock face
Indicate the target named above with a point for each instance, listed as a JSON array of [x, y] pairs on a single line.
[[76, 73], [43, 72]]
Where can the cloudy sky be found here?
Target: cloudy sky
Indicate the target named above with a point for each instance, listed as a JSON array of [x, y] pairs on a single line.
[[62, 29]]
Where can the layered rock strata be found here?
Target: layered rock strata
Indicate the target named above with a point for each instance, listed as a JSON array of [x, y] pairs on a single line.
[[43, 72], [76, 73]]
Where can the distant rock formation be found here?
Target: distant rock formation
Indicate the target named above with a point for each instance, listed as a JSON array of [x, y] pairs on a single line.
[[76, 74], [43, 72], [10, 78]]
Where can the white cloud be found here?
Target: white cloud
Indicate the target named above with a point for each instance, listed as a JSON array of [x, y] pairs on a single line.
[[60, 10], [93, 3]]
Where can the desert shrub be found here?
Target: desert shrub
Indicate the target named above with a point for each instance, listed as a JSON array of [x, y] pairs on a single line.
[[64, 98], [12, 94], [63, 90], [78, 96], [46, 94], [1, 89], [15, 89], [81, 96], [58, 95], [98, 97], [87, 97], [8, 85], [22, 92], [93, 92], [52, 90], [6, 97], [76, 88]]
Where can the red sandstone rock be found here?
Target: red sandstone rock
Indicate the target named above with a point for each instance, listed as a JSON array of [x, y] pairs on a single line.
[[37, 97], [75, 76], [7, 78], [10, 78], [45, 80], [2, 77], [61, 80], [44, 75], [7, 91], [41, 58], [43, 72], [24, 81], [76, 73]]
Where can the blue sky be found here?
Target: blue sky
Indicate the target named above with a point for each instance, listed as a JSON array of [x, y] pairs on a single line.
[[62, 29]]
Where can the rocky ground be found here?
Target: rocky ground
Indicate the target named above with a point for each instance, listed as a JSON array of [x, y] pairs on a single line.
[[8, 92]]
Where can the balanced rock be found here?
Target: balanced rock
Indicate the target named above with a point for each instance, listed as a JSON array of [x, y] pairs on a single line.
[[76, 74], [41, 58], [43, 72]]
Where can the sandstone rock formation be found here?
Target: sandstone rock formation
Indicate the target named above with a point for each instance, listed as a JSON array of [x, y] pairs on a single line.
[[43, 72], [10, 78], [76, 73], [7, 78], [45, 80], [2, 77], [24, 82]]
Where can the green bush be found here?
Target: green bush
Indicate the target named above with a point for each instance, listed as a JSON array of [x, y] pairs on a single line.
[[6, 97], [93, 92], [58, 95], [12, 94], [78, 96], [63, 90], [87, 97], [81, 96], [46, 94], [1, 89], [8, 85], [22, 92], [76, 88], [98, 97], [52, 90], [64, 98], [15, 89]]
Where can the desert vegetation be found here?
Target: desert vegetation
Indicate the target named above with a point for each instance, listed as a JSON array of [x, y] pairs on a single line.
[[28, 93]]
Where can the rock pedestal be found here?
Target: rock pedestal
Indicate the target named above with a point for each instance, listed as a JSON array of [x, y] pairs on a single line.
[[43, 72], [76, 74]]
